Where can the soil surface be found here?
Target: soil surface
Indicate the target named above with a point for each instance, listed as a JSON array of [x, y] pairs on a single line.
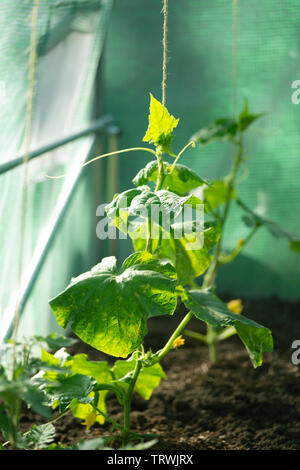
[[228, 405]]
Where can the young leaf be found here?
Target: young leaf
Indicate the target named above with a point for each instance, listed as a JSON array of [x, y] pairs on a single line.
[[26, 390], [85, 411], [186, 248], [208, 308], [179, 180], [161, 125], [221, 129], [109, 310], [148, 379], [217, 194], [37, 400], [245, 118], [49, 358], [98, 443], [140, 446], [252, 218], [162, 207], [100, 371], [55, 341], [212, 234], [295, 245], [41, 436]]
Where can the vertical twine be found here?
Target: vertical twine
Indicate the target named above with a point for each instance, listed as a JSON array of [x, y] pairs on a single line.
[[28, 129], [165, 52], [235, 57]]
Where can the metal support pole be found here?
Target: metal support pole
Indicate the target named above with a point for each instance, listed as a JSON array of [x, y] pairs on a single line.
[[97, 126], [44, 244]]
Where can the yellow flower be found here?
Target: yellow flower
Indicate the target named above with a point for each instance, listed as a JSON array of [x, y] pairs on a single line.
[[90, 420], [235, 306], [179, 341]]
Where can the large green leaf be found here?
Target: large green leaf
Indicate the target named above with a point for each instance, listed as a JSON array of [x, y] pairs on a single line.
[[185, 247], [208, 308], [179, 179], [161, 125], [148, 379], [162, 207], [68, 388], [79, 364], [100, 371], [109, 309]]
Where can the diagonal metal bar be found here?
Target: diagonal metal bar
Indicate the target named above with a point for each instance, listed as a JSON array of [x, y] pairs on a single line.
[[44, 244], [98, 126], [48, 234]]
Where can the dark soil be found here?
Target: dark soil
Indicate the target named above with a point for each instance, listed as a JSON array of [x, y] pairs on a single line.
[[229, 405]]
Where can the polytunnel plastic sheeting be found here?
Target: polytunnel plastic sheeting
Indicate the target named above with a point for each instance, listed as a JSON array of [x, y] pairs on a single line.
[[70, 42], [200, 77]]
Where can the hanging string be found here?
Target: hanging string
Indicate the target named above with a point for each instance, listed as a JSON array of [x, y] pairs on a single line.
[[235, 56], [28, 129], [165, 52]]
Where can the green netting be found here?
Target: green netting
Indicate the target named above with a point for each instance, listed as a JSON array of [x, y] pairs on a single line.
[[200, 89], [70, 42]]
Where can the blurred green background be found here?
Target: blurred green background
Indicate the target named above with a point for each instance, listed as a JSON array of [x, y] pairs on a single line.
[[71, 89], [200, 88]]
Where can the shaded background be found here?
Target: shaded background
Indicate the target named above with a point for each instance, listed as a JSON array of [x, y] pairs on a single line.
[[199, 90], [71, 89]]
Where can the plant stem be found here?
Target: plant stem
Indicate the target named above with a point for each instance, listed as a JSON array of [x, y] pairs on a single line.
[[114, 423], [198, 336], [226, 333], [210, 275], [180, 153], [127, 402], [104, 155], [149, 240], [176, 333], [161, 173], [211, 336], [112, 388], [209, 278], [224, 259], [59, 416]]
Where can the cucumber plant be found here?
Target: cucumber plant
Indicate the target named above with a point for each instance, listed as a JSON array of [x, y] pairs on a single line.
[[218, 198], [108, 307]]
